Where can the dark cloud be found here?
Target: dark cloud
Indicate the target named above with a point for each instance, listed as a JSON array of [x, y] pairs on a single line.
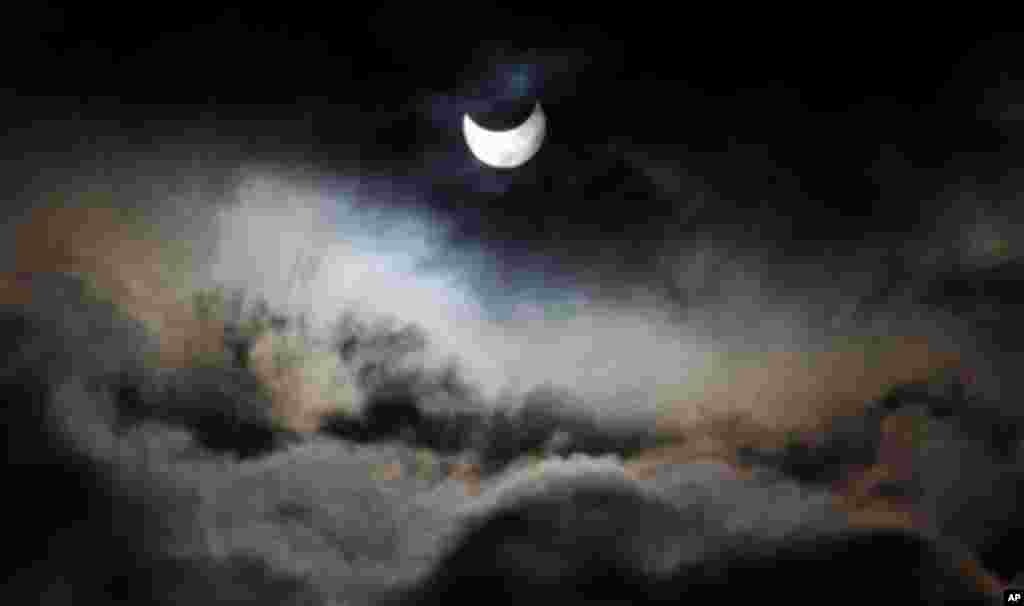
[[598, 542], [73, 497], [227, 409]]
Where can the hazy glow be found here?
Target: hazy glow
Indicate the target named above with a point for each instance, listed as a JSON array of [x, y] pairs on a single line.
[[632, 357]]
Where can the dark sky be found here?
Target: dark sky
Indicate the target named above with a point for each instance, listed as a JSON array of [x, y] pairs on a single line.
[[659, 126]]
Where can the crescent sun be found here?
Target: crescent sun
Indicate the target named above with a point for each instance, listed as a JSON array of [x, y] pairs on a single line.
[[506, 148]]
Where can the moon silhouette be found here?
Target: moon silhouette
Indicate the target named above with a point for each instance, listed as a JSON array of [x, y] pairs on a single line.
[[506, 148]]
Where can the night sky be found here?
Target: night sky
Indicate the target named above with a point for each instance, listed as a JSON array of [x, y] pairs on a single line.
[[876, 153], [795, 140]]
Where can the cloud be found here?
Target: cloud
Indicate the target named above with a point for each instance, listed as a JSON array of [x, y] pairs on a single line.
[[589, 536], [97, 493], [627, 351], [631, 347]]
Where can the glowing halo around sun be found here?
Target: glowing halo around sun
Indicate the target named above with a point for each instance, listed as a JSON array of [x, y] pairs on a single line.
[[506, 148]]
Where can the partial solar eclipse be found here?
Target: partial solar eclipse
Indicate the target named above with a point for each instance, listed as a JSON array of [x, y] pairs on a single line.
[[506, 148]]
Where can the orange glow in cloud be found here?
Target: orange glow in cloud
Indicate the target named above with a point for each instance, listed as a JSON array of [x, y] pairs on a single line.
[[129, 268], [774, 394]]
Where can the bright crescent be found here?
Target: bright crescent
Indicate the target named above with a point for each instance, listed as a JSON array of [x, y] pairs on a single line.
[[506, 148]]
